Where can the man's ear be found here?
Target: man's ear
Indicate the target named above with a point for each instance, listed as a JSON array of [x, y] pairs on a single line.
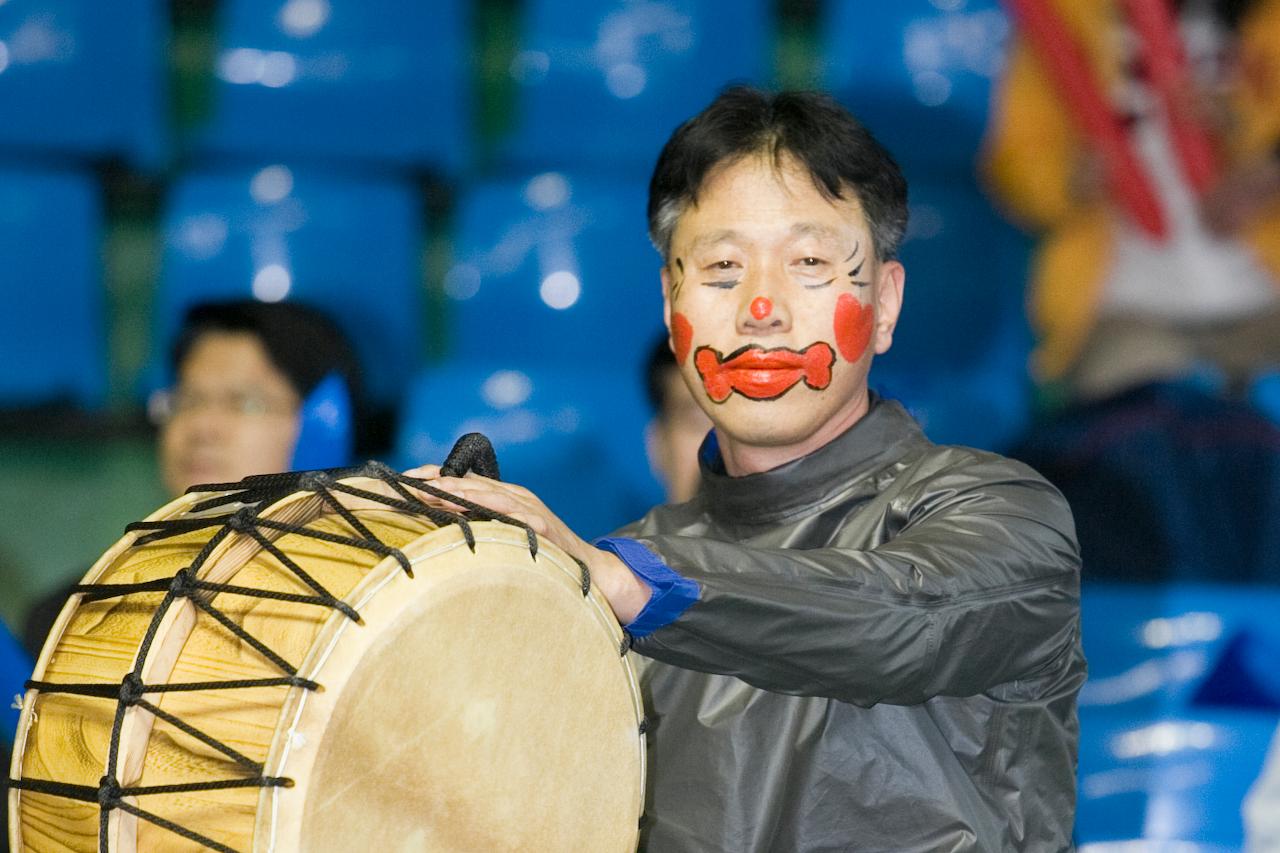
[[891, 277]]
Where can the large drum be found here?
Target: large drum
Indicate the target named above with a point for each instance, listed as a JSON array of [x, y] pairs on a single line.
[[308, 663]]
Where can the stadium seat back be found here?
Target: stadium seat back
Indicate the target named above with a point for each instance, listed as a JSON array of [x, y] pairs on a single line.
[[85, 79], [348, 247], [555, 268], [1168, 746], [53, 326], [364, 81], [605, 84], [919, 73]]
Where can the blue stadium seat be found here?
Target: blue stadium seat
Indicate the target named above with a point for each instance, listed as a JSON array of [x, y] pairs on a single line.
[[1264, 393], [919, 73], [85, 78], [349, 247], [1181, 704], [366, 81], [604, 84], [555, 268], [959, 356], [574, 436], [52, 328]]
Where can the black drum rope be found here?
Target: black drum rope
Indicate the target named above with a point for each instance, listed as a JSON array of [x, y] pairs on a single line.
[[244, 499]]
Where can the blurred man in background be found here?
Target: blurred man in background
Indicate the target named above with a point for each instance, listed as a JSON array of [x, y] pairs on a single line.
[[678, 427], [259, 388]]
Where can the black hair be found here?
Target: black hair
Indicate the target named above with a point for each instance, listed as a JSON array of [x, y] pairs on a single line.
[[302, 343], [659, 363], [839, 153]]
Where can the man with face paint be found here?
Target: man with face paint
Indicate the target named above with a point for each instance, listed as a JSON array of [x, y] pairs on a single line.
[[858, 640], [259, 388]]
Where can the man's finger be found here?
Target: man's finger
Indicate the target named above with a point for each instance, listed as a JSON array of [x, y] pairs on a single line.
[[424, 472], [478, 485], [535, 522], [492, 500]]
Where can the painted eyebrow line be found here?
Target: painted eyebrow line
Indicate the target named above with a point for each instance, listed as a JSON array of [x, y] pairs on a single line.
[[856, 246]]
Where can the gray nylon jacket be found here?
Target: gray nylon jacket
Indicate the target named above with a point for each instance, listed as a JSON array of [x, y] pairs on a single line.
[[885, 655]]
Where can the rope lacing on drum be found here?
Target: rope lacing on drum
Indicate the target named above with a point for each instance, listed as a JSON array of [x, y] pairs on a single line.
[[244, 499]]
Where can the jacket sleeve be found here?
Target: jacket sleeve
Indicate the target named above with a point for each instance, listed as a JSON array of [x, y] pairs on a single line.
[[980, 587]]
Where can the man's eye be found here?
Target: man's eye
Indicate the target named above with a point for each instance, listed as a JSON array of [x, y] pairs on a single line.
[[812, 262], [723, 265]]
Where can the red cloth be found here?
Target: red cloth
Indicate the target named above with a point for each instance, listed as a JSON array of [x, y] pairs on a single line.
[[1162, 54]]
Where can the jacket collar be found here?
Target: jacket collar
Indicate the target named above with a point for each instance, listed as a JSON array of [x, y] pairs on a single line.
[[829, 473]]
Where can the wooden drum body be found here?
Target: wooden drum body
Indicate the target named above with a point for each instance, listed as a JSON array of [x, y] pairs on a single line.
[[483, 702]]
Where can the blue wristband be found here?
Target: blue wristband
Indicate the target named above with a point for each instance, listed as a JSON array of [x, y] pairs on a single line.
[[673, 593]]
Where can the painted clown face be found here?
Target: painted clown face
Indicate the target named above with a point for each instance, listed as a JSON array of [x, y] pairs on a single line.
[[776, 304]]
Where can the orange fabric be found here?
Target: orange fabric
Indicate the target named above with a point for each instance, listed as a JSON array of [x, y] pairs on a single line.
[[1032, 150], [1066, 284], [1257, 99]]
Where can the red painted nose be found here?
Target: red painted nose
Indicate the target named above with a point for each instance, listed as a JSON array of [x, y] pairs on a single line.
[[761, 307]]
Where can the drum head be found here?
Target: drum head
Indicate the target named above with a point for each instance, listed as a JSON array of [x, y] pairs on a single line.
[[488, 714]]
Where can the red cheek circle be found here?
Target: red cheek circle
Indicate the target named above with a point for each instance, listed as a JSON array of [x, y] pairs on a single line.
[[854, 322], [681, 337]]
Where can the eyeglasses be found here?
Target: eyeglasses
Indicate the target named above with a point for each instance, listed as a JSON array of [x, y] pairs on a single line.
[[166, 405]]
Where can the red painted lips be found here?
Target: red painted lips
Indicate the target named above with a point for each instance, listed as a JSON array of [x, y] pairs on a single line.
[[763, 374]]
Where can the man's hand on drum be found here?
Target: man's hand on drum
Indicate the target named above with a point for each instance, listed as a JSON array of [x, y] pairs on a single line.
[[626, 593]]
